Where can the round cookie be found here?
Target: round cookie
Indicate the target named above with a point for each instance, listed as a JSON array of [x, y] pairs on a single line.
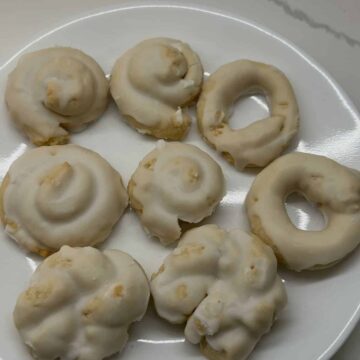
[[224, 285], [54, 91], [262, 141], [175, 182], [152, 82], [334, 188], [60, 195], [80, 304]]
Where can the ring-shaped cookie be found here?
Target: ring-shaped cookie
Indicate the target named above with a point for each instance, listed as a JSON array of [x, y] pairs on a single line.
[[262, 141], [334, 188]]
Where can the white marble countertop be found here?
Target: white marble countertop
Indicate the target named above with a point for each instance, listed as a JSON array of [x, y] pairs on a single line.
[[328, 30]]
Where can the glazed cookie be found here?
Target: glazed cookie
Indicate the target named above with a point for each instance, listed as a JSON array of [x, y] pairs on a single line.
[[60, 195], [80, 303], [261, 142], [175, 182], [152, 82], [335, 190], [225, 286], [54, 91]]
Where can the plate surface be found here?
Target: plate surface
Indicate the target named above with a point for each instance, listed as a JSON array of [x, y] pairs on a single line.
[[323, 306]]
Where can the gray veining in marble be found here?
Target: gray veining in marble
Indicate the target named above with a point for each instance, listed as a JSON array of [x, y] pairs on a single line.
[[302, 16]]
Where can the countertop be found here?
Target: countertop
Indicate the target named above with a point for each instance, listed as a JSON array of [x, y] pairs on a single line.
[[328, 30]]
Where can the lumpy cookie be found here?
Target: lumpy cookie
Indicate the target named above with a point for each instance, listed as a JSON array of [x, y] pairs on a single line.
[[153, 82], [262, 141], [175, 182], [224, 285], [53, 91], [335, 189], [60, 195], [80, 304]]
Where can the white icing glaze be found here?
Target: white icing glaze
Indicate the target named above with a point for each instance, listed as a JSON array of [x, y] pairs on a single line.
[[224, 285], [61, 195], [80, 303], [336, 191], [179, 118], [160, 144], [187, 83], [260, 142], [175, 182], [55, 90], [151, 81], [143, 131]]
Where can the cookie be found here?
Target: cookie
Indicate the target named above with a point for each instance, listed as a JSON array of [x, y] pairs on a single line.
[[224, 286], [333, 188], [55, 91], [80, 304], [259, 143], [153, 82], [173, 183], [60, 195]]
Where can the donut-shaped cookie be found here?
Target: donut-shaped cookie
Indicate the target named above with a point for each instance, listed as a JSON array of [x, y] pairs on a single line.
[[335, 189], [175, 182], [261, 142], [225, 286], [54, 91], [152, 82], [60, 195], [80, 303]]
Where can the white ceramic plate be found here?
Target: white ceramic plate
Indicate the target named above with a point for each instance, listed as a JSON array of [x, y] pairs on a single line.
[[323, 306]]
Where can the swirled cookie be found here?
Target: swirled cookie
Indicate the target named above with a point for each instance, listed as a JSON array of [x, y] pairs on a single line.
[[225, 286], [260, 142], [152, 82], [60, 195], [54, 91], [80, 303], [335, 189], [175, 182]]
